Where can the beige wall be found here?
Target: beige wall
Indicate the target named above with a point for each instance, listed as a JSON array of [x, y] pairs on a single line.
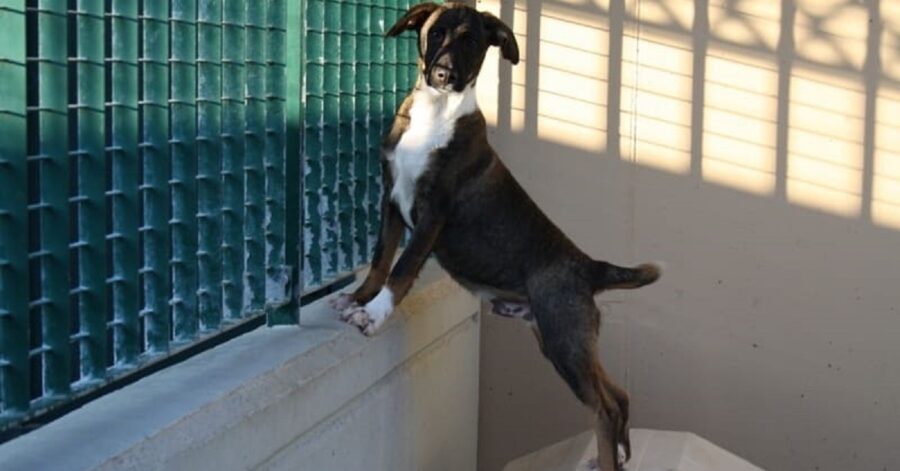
[[755, 147]]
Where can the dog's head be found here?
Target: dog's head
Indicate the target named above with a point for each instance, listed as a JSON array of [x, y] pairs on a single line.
[[453, 39]]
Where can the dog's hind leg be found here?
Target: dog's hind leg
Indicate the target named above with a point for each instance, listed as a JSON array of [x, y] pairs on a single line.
[[567, 322], [578, 365], [621, 397]]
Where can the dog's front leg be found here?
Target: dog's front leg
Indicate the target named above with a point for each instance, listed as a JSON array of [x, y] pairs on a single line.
[[383, 255], [371, 316], [389, 236]]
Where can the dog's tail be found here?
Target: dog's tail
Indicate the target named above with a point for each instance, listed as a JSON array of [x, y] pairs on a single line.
[[609, 276]]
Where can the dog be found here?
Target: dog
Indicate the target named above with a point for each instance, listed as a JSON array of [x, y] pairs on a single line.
[[445, 183]]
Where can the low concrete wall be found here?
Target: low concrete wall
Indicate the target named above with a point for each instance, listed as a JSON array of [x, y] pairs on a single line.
[[319, 397]]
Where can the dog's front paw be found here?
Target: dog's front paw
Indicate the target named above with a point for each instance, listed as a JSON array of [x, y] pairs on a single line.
[[341, 302], [348, 312], [360, 316], [369, 318]]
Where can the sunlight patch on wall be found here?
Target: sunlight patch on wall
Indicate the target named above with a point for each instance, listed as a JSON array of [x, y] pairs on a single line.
[[752, 23], [739, 124], [832, 32], [825, 143], [672, 14], [826, 102], [741, 95], [827, 108], [886, 178], [488, 88], [572, 81], [517, 88], [488, 84], [890, 41], [576, 3], [656, 109]]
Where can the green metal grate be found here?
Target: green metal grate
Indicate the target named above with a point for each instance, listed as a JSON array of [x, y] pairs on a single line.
[[233, 82], [14, 275], [121, 159], [149, 160], [354, 81], [152, 191], [88, 202], [48, 216], [154, 157]]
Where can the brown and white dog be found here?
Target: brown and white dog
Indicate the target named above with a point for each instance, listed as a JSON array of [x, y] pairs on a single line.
[[444, 181]]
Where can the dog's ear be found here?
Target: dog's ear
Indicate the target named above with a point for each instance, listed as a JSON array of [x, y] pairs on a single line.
[[498, 34], [413, 19]]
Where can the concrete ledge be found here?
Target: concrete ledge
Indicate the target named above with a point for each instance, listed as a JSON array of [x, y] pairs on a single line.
[[652, 450], [239, 405]]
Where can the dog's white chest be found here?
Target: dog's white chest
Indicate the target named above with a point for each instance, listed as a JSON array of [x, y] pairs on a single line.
[[408, 162], [432, 119]]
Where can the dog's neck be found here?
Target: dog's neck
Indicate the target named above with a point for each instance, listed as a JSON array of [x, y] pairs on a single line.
[[433, 106]]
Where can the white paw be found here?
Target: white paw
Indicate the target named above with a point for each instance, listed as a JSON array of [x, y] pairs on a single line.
[[349, 311], [367, 322], [358, 316], [371, 317]]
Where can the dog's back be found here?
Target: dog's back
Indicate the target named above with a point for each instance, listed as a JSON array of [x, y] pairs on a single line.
[[494, 236]]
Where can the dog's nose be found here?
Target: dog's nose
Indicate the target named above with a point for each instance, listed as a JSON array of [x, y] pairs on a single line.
[[441, 76]]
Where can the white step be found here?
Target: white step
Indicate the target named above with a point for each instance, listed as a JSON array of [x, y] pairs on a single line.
[[652, 450]]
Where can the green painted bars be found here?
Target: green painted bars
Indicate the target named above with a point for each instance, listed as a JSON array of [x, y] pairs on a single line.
[[233, 81], [154, 157], [14, 275], [173, 169], [48, 205], [121, 157], [354, 81], [209, 171], [88, 201], [146, 175], [254, 148]]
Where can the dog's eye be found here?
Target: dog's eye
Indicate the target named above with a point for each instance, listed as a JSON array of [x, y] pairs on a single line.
[[435, 34]]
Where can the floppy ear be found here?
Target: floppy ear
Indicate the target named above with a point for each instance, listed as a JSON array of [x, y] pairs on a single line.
[[498, 34], [413, 19]]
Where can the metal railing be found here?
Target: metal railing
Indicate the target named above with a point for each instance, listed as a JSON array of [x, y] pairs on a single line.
[[149, 174], [153, 192], [355, 79]]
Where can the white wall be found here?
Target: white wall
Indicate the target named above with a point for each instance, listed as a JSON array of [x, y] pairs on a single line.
[[754, 148]]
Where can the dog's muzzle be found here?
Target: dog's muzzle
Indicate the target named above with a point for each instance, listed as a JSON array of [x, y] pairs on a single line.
[[441, 76], [441, 73]]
